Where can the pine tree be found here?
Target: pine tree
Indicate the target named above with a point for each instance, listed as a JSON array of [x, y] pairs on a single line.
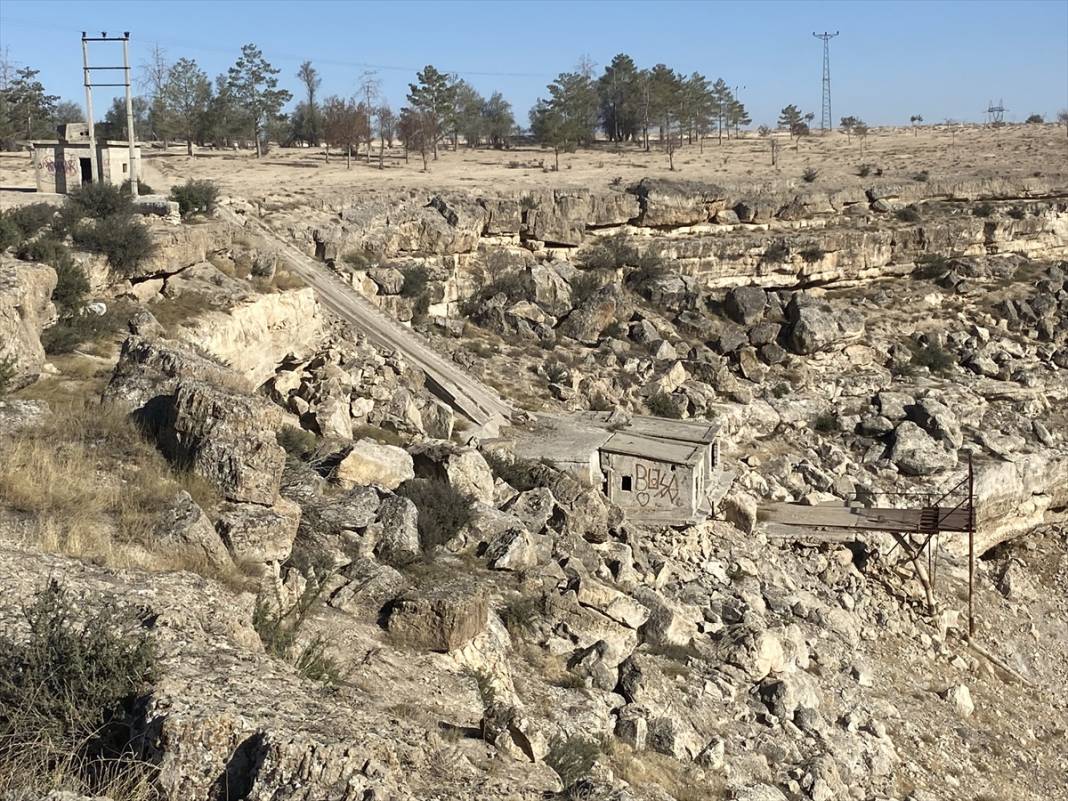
[[432, 105], [186, 98], [253, 85]]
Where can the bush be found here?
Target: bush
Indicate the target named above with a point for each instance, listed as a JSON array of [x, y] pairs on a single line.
[[1017, 212], [78, 328], [521, 474], [583, 287], [810, 175], [931, 265], [45, 249], [983, 210], [572, 758], [66, 692], [933, 357], [443, 510], [7, 374], [812, 254], [195, 197], [357, 260], [278, 629], [609, 253], [777, 251], [922, 176], [297, 442], [124, 240], [1035, 119], [31, 219], [827, 422], [142, 187], [909, 214], [71, 288], [662, 404], [415, 284], [864, 170], [100, 200], [10, 234]]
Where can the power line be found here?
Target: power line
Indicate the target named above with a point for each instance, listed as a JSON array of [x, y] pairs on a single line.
[[826, 120]]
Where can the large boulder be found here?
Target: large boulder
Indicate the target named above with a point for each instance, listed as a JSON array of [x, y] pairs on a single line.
[[255, 335], [746, 304], [25, 309], [917, 453], [587, 322], [666, 202], [255, 533], [184, 528], [938, 420], [442, 618], [226, 437], [371, 462], [462, 467], [816, 325]]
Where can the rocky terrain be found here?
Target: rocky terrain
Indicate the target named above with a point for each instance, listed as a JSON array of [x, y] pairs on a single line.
[[350, 595]]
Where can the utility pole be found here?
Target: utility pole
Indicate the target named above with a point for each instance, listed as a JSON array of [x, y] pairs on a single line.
[[826, 120], [126, 84]]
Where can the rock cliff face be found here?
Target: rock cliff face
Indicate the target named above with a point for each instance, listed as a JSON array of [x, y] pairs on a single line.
[[257, 334], [722, 237], [25, 309]]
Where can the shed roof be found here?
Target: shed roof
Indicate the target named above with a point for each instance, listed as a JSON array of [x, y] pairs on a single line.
[[653, 449], [694, 431]]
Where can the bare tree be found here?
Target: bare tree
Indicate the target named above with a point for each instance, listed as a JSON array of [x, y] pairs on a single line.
[[368, 88], [1062, 118], [311, 124], [152, 77], [385, 122]]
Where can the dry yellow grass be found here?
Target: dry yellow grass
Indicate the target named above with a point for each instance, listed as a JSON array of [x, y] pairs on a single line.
[[94, 488]]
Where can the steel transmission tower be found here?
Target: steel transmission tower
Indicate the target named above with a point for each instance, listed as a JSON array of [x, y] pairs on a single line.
[[826, 120]]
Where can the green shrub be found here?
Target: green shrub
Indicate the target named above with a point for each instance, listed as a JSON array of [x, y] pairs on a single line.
[[45, 249], [609, 253], [279, 628], [100, 200], [297, 442], [909, 214], [443, 510], [584, 286], [827, 422], [10, 234], [983, 209], [922, 176], [662, 404], [812, 254], [195, 197], [777, 251], [357, 260], [32, 218], [934, 358], [7, 374], [522, 474], [415, 286], [864, 170], [1017, 212], [142, 187], [71, 288], [123, 239], [66, 691], [931, 265], [781, 390], [810, 175], [513, 284], [573, 758], [78, 328]]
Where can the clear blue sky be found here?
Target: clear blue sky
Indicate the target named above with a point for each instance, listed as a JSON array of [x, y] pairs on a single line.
[[892, 59]]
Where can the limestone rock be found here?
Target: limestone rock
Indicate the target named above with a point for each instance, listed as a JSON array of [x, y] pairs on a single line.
[[18, 414], [25, 308], [674, 203], [371, 462], [916, 453], [256, 533], [396, 531], [442, 618], [745, 304], [227, 438], [463, 468], [184, 527], [534, 507]]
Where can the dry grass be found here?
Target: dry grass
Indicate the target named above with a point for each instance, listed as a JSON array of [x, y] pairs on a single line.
[[673, 777], [35, 772], [94, 487]]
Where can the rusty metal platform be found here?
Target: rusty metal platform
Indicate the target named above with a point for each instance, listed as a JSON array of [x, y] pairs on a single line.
[[924, 520]]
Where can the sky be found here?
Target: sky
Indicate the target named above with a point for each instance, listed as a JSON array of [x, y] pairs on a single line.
[[891, 60]]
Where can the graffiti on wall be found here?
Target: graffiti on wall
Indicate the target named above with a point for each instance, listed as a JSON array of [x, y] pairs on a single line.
[[68, 166], [653, 483]]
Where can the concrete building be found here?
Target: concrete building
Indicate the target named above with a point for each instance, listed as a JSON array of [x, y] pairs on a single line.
[[659, 471], [65, 164]]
